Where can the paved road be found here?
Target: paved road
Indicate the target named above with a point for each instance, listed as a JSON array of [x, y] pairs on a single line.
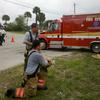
[[11, 54]]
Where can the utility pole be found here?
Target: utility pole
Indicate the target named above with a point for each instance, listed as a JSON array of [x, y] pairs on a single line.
[[74, 8]]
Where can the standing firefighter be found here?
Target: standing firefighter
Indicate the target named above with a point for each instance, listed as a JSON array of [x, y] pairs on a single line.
[[35, 62], [28, 41]]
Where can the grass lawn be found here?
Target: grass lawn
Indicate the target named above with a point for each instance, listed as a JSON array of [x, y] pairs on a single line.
[[73, 77], [17, 32]]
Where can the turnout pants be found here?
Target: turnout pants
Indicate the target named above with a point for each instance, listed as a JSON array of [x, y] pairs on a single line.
[[31, 86], [42, 75], [25, 59]]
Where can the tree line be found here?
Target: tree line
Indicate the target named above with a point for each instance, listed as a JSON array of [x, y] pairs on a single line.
[[21, 22]]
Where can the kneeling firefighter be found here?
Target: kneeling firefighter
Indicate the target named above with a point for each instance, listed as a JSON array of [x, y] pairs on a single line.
[[36, 61]]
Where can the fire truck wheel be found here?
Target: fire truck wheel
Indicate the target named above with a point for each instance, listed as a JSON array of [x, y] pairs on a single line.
[[64, 48], [43, 44], [95, 47]]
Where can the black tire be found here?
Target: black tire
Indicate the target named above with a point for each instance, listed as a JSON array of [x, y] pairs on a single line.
[[95, 47], [64, 48], [44, 44]]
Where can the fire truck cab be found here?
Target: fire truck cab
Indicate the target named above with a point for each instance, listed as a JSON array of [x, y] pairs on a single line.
[[73, 31]]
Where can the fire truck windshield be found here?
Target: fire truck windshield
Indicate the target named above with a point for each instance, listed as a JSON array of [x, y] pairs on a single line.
[[53, 27]]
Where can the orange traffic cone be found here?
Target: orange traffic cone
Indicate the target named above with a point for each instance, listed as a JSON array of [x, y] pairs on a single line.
[[12, 39]]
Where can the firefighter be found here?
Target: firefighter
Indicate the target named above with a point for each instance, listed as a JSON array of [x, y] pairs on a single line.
[[0, 38], [2, 35], [35, 62], [28, 41]]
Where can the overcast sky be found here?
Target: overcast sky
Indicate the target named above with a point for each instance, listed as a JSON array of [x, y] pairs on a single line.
[[53, 9]]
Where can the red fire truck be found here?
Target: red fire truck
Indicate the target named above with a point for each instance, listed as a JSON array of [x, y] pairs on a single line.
[[73, 30]]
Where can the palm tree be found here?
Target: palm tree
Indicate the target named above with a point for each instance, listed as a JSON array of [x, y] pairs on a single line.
[[41, 18], [36, 10], [27, 15], [5, 18]]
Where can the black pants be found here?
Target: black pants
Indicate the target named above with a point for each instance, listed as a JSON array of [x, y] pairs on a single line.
[[0, 40]]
